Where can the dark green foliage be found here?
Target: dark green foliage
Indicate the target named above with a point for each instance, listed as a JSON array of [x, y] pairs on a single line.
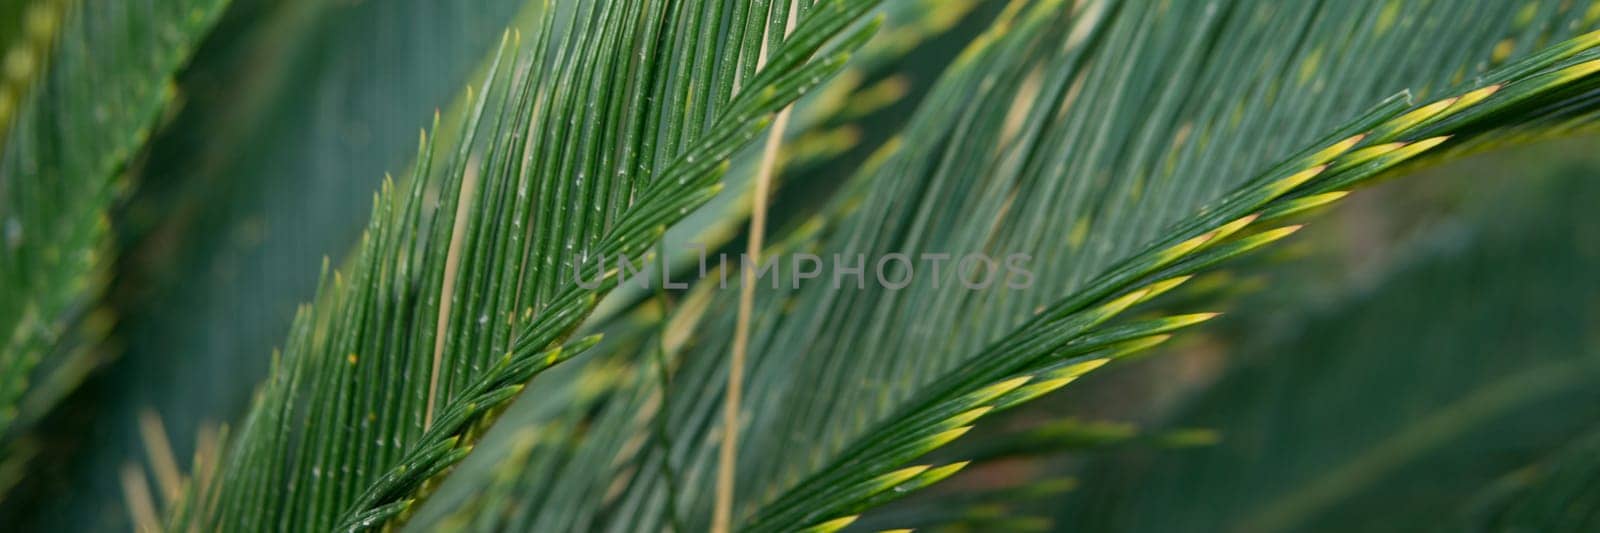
[[292, 111], [1471, 359], [1553, 495], [72, 120], [1115, 148]]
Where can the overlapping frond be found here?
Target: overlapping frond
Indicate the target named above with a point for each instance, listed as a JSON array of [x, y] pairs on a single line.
[[614, 122], [84, 83], [1122, 146], [1468, 361], [832, 129], [1067, 337]]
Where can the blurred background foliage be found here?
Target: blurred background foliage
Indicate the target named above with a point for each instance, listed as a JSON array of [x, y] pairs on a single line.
[[1424, 356], [287, 119]]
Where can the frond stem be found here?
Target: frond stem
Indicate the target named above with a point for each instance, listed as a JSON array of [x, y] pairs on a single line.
[[727, 456]]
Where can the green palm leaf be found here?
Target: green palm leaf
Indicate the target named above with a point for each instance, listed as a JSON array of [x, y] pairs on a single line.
[[1466, 362], [370, 401], [912, 42], [833, 129], [1123, 145]]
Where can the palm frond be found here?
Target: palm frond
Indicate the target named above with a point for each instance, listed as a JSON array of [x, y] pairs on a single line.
[[1060, 339], [1380, 412], [292, 112], [833, 130], [614, 123], [86, 82], [911, 44], [1123, 146]]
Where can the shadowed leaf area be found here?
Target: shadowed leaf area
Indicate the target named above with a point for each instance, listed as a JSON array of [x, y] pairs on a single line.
[[1397, 409], [289, 117], [83, 88]]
